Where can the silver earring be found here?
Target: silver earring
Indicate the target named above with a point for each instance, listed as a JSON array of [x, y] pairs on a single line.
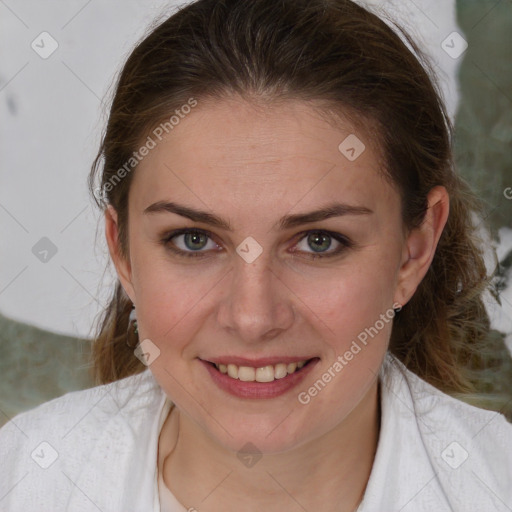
[[133, 320]]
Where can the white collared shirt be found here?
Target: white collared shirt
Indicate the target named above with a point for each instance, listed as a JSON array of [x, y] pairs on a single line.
[[97, 449]]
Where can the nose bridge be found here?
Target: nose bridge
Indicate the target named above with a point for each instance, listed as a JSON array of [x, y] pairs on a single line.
[[256, 307]]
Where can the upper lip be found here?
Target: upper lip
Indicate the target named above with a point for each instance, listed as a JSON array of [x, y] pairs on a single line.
[[256, 363]]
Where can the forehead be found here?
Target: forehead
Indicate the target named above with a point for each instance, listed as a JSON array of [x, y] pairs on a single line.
[[260, 156]]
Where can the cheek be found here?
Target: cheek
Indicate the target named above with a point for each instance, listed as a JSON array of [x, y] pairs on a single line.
[[356, 318], [350, 297], [168, 295]]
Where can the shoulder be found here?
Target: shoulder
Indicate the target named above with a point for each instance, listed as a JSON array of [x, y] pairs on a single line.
[[131, 395], [446, 411], [46, 450], [469, 448]]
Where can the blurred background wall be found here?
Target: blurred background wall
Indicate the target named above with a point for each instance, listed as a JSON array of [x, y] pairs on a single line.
[[57, 64]]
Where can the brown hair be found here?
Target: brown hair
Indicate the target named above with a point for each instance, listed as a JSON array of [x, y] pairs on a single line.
[[336, 52]]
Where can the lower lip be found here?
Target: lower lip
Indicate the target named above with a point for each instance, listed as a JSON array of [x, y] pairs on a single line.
[[242, 389]]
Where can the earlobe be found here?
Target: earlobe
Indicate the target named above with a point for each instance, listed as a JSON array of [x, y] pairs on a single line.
[[421, 245], [122, 266]]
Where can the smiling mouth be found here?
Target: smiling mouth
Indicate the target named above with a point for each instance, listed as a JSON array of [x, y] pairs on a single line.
[[267, 373]]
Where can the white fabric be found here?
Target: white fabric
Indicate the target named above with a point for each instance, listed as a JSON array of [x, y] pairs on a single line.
[[107, 444]]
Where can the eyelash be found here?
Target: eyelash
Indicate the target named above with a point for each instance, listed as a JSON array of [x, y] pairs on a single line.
[[166, 242]]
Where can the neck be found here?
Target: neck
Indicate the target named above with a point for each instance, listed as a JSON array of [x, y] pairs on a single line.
[[329, 473]]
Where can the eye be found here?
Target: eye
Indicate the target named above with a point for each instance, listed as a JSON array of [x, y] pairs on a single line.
[[321, 241], [189, 242]]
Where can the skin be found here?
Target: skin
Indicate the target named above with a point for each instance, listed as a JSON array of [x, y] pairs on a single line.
[[251, 166]]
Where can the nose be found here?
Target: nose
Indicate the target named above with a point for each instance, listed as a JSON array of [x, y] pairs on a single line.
[[257, 306]]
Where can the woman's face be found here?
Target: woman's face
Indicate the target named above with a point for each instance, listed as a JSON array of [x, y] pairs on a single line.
[[258, 279]]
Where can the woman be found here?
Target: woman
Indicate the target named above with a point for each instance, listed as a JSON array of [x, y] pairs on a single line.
[[299, 287]]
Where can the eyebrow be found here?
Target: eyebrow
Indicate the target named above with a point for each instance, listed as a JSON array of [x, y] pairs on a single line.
[[286, 222]]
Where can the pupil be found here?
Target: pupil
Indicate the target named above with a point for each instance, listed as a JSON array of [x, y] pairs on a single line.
[[316, 238]]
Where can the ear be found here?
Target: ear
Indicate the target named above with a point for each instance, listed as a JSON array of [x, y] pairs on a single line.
[[123, 267], [421, 244]]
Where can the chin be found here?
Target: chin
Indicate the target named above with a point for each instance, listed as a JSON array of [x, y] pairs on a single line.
[[263, 436]]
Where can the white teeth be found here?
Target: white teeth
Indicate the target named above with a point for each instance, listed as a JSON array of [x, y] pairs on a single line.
[[280, 371], [233, 371], [291, 367], [246, 373], [263, 374]]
